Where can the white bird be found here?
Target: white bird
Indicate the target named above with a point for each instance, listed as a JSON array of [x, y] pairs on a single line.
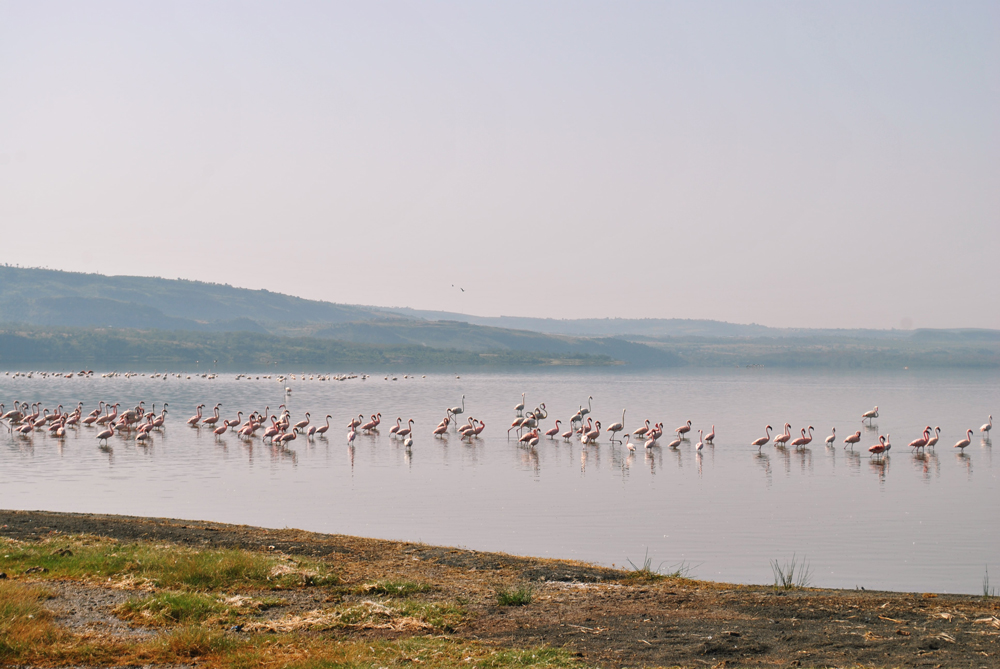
[[985, 429], [351, 436], [520, 407], [629, 445], [454, 411], [832, 438], [701, 442]]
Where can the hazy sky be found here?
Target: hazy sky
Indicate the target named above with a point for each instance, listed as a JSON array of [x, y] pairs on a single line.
[[827, 164]]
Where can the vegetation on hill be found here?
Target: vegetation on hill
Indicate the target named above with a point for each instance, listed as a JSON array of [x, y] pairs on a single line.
[[115, 348]]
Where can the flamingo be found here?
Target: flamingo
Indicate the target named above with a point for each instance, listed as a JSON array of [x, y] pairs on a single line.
[[303, 424], [142, 438], [520, 407], [322, 429], [629, 445], [479, 428], [710, 437], [442, 428], [853, 439], [934, 440], [395, 430], [868, 415], [701, 442], [356, 421], [879, 448], [219, 431], [351, 436], [406, 431], [595, 434], [454, 411], [832, 438], [614, 428], [763, 440], [408, 442], [683, 429], [641, 431], [985, 429], [372, 424], [515, 425], [584, 412], [195, 419], [104, 435], [212, 420], [782, 439], [965, 442], [922, 441], [551, 433], [675, 443], [808, 438], [799, 441]]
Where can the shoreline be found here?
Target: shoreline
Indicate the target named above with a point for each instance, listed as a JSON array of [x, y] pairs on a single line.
[[602, 616]]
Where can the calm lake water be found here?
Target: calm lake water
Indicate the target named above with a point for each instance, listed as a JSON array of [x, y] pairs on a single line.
[[912, 522]]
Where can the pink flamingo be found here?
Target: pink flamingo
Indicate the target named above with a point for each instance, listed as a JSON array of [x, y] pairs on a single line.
[[322, 429], [964, 442], [683, 429], [932, 441], [356, 421], [922, 441], [763, 440], [879, 448], [195, 419], [406, 431], [212, 420], [782, 439], [397, 428], [852, 439], [551, 433], [710, 437]]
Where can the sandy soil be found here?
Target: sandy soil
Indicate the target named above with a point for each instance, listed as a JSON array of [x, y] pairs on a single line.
[[607, 617]]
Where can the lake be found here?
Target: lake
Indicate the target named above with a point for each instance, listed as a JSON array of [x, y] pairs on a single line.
[[911, 522]]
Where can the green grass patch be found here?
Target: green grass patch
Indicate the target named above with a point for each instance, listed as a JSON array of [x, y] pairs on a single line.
[[172, 567], [171, 608], [520, 595]]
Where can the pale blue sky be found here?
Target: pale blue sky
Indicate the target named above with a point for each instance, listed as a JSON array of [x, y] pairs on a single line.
[[789, 163]]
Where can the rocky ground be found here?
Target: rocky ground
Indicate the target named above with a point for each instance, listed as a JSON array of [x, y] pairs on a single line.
[[605, 617]]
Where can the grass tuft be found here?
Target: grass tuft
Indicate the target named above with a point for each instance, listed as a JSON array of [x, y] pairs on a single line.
[[518, 596], [987, 591], [792, 574], [394, 588]]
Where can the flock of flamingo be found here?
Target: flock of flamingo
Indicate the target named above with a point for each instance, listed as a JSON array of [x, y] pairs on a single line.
[[140, 423]]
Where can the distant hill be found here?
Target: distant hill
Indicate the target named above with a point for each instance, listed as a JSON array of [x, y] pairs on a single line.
[[51, 297], [290, 326], [638, 328]]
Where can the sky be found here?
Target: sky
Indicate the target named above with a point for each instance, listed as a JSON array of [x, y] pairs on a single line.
[[793, 164]]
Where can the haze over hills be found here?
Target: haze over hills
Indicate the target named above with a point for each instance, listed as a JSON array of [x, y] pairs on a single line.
[[287, 326]]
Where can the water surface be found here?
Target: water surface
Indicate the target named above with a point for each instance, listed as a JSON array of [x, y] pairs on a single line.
[[914, 522]]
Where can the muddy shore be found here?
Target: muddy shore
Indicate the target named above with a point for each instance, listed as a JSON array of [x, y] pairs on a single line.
[[607, 617]]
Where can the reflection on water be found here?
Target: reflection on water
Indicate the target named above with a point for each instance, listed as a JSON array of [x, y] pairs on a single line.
[[728, 508]]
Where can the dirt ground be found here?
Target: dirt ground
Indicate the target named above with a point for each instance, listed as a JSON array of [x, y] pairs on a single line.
[[607, 617]]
